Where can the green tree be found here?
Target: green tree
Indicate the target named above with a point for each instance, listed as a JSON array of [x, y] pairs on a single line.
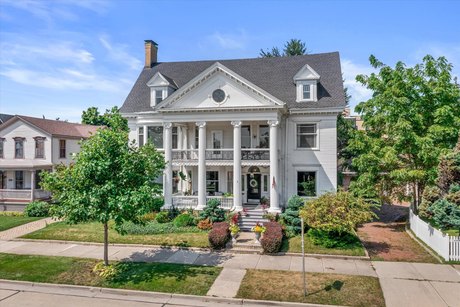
[[111, 179], [339, 212], [412, 118], [111, 118], [291, 47]]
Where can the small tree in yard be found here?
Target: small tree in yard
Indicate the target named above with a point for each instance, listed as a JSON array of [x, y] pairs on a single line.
[[337, 214], [111, 179]]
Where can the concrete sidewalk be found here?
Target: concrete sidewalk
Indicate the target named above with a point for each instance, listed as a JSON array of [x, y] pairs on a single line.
[[22, 230], [197, 257]]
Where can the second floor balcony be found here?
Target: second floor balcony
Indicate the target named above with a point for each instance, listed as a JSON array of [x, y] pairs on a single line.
[[222, 154]]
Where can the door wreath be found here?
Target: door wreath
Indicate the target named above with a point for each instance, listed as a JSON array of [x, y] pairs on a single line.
[[253, 183]]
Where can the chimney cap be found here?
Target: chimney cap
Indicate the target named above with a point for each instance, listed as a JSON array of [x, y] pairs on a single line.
[[147, 41]]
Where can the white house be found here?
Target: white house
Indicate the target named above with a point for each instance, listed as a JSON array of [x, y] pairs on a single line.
[[252, 128], [30, 145]]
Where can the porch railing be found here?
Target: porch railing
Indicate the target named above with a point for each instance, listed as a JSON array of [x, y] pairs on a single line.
[[15, 194], [191, 202], [255, 154], [41, 194], [221, 154]]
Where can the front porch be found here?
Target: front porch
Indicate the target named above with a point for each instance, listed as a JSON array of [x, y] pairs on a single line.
[[21, 186]]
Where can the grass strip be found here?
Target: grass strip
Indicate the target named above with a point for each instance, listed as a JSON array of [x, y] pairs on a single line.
[[94, 232], [323, 288], [7, 222], [159, 277]]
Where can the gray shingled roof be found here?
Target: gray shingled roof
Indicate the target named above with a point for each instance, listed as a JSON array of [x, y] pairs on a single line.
[[274, 75], [4, 117]]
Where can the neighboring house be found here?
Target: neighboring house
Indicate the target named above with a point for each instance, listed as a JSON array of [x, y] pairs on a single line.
[[30, 145], [5, 117], [252, 128]]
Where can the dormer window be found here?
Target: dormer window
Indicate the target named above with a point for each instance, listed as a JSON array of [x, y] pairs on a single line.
[[160, 88], [306, 91], [158, 96], [306, 81]]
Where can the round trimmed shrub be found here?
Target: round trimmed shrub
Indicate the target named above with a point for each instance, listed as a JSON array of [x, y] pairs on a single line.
[[37, 209], [162, 217], [219, 235], [273, 238], [184, 220]]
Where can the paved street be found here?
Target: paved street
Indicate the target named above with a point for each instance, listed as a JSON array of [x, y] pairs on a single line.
[[14, 294]]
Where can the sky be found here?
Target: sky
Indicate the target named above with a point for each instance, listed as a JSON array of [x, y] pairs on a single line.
[[57, 58]]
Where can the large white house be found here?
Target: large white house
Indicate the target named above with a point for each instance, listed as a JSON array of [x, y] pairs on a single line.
[[240, 130], [29, 145]]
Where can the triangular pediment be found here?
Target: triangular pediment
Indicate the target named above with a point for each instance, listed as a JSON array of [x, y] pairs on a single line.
[[306, 73], [218, 88], [160, 80]]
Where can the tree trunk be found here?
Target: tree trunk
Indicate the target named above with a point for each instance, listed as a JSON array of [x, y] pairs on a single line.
[[106, 244]]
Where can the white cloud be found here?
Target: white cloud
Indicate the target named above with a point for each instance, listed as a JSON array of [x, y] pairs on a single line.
[[356, 90], [118, 53], [230, 40]]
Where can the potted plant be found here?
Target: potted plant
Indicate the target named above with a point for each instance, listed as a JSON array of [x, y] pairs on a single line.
[[258, 230], [234, 230]]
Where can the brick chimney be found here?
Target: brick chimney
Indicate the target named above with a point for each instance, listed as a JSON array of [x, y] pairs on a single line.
[[151, 52]]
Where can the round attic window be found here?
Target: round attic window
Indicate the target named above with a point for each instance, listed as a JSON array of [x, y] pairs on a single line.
[[218, 95]]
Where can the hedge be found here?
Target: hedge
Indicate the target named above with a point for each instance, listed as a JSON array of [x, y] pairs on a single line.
[[272, 238]]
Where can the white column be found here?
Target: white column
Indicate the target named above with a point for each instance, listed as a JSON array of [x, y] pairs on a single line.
[[274, 179], [145, 135], [201, 165], [237, 199], [167, 182], [32, 185]]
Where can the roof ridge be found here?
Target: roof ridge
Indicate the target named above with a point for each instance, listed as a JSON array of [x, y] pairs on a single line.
[[248, 59]]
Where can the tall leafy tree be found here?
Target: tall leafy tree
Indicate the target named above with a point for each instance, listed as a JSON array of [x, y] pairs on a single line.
[[412, 118], [291, 47], [111, 179], [111, 118]]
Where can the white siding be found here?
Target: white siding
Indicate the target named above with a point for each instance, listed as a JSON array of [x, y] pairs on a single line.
[[21, 129], [72, 146]]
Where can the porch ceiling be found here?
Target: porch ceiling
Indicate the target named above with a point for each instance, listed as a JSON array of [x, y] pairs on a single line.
[[21, 164]]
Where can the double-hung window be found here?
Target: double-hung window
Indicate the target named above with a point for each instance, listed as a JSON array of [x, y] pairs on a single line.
[[39, 147], [306, 91], [306, 184], [19, 148], [62, 149], [212, 182], [19, 180], [307, 136], [158, 96], [175, 137], [140, 137], [155, 136]]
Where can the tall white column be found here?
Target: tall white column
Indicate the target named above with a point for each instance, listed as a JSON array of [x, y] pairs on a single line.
[[32, 185], [167, 182], [237, 199], [201, 165], [274, 173], [145, 135]]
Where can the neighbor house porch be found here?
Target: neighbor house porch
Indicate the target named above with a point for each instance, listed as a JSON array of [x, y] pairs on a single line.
[[22, 185]]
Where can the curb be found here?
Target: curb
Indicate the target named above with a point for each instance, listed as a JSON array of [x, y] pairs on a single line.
[[139, 296], [200, 249]]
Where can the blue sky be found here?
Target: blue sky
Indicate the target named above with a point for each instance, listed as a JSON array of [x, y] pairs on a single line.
[[58, 58]]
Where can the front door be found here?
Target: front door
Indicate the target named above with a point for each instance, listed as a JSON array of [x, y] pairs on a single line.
[[253, 181]]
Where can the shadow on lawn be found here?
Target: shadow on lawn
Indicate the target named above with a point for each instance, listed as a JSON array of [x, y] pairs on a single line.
[[336, 285]]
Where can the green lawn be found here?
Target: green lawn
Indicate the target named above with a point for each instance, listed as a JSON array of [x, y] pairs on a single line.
[[294, 245], [7, 222], [94, 232], [161, 277], [322, 288]]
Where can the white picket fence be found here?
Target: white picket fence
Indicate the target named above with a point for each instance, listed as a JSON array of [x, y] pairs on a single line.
[[446, 246]]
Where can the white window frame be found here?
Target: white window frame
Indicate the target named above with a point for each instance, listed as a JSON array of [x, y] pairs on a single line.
[[313, 91], [316, 134], [140, 136], [309, 170]]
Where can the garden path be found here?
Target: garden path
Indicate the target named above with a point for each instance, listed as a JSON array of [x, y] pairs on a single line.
[[22, 230]]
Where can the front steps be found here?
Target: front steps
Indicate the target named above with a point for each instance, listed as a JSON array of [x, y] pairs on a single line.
[[252, 217], [245, 244]]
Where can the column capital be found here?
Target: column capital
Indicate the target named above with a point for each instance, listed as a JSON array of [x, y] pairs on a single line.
[[273, 123], [167, 125], [236, 123], [201, 124]]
